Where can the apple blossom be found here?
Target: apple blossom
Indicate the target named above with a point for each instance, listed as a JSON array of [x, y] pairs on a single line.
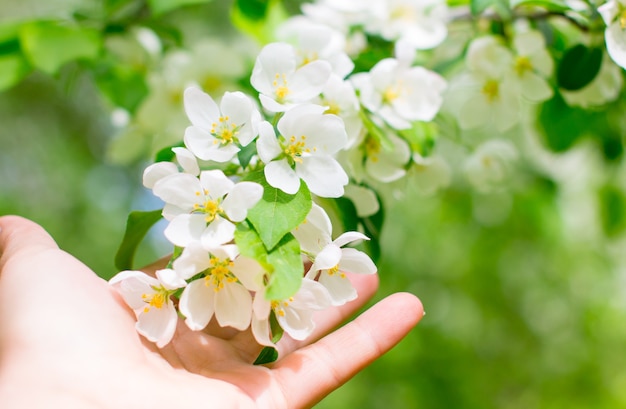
[[281, 82], [149, 298], [218, 133], [303, 150]]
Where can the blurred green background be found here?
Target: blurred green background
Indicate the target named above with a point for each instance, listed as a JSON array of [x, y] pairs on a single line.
[[524, 289]]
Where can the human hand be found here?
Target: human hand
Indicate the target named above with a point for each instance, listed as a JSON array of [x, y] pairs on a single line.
[[68, 340]]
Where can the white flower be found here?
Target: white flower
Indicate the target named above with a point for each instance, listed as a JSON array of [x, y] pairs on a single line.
[[333, 262], [204, 209], [221, 291], [218, 132], [385, 164], [420, 24], [150, 300], [491, 96], [314, 41], [614, 15], [304, 150], [295, 314], [490, 166], [281, 83], [531, 66], [400, 94]]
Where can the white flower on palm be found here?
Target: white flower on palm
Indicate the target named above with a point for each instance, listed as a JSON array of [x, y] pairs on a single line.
[[491, 165], [204, 208], [294, 314], [420, 24], [314, 41], [281, 82], [303, 150], [614, 15], [221, 290], [330, 260], [333, 262], [149, 298], [491, 95], [400, 94], [532, 64], [218, 132]]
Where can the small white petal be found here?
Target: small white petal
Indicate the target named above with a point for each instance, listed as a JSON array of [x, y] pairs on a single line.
[[349, 237], [187, 161], [185, 229], [243, 196], [328, 258], [233, 306], [193, 260], [323, 175], [158, 324], [339, 287], [197, 304], [261, 331], [615, 39], [355, 261], [201, 110], [170, 279], [218, 232], [267, 145], [132, 285], [216, 182], [158, 171], [280, 175]]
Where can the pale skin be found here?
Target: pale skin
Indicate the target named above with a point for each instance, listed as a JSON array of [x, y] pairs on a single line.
[[67, 340]]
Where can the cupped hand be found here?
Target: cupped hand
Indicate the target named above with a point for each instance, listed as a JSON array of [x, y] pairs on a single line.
[[67, 340]]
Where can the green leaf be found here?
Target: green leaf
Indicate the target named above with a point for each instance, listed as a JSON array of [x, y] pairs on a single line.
[[258, 20], [246, 154], [250, 244], [124, 87], [13, 68], [137, 225], [163, 6], [283, 263], [277, 213], [286, 277], [578, 67], [267, 356], [421, 136], [49, 45]]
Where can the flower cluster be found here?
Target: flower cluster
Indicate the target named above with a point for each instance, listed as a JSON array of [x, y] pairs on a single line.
[[240, 192]]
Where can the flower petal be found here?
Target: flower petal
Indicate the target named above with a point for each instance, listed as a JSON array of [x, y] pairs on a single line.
[[187, 161], [339, 287], [158, 324], [216, 182], [158, 171], [280, 175], [197, 304], [323, 175], [201, 110], [185, 229], [243, 196], [233, 306], [218, 232], [355, 261], [267, 145]]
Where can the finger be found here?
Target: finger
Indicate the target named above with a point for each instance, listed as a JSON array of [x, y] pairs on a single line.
[[19, 235], [333, 360]]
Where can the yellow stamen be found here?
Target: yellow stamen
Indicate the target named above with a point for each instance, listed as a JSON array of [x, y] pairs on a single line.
[[491, 90]]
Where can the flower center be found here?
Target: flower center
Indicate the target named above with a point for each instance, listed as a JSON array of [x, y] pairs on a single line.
[[279, 306], [280, 87], [334, 270], [491, 90], [218, 273], [622, 19], [210, 207], [224, 131], [522, 65], [296, 147], [391, 94], [156, 299]]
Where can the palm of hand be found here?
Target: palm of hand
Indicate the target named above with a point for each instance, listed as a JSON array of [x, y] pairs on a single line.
[[69, 334]]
